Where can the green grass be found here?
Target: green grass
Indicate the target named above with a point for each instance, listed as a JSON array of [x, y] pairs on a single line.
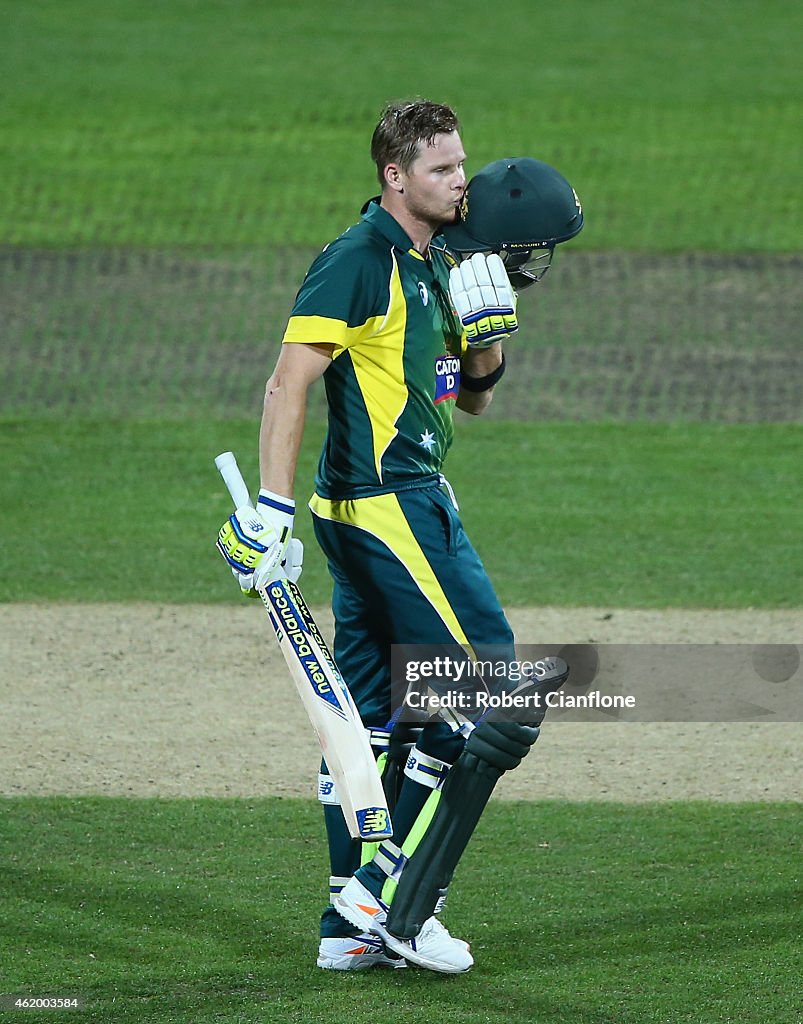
[[608, 335], [626, 515], [239, 122], [202, 911]]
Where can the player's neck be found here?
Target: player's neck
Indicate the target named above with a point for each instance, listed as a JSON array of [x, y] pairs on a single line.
[[419, 232]]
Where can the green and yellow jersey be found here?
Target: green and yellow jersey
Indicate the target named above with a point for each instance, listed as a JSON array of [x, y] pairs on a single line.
[[395, 371]]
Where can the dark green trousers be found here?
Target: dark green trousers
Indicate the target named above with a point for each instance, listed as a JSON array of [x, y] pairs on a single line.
[[404, 572]]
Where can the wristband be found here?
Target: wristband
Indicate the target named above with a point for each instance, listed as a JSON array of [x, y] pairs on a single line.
[[485, 383]]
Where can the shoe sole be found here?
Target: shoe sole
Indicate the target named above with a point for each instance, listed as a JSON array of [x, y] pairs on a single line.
[[365, 922], [403, 949], [333, 965]]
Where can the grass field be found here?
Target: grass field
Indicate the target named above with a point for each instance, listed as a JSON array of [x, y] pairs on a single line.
[[619, 336], [202, 911], [235, 123], [167, 172], [628, 515]]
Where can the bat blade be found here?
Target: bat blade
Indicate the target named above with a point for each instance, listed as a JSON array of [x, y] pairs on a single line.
[[332, 712]]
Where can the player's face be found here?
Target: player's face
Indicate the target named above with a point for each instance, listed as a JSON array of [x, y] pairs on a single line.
[[436, 181]]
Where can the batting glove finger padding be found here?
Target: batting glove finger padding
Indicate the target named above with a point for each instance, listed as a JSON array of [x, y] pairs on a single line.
[[294, 560], [484, 299], [254, 541]]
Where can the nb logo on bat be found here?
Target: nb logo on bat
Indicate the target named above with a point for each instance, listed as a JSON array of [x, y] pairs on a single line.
[[374, 821]]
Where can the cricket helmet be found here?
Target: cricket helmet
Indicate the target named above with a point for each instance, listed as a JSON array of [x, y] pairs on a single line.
[[520, 208]]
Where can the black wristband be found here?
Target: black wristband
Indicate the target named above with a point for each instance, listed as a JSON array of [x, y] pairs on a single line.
[[485, 383]]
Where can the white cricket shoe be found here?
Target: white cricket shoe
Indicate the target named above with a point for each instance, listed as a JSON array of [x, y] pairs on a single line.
[[357, 953], [433, 947], [436, 926]]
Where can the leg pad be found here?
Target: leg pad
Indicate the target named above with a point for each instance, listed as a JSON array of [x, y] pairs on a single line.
[[502, 744], [493, 748]]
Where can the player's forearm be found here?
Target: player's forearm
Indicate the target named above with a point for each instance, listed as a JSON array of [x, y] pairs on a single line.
[[478, 363], [280, 434]]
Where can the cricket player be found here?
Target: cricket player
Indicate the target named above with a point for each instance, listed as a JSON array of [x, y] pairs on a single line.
[[402, 332]]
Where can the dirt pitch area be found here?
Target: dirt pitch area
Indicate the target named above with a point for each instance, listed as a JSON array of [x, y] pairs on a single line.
[[166, 700]]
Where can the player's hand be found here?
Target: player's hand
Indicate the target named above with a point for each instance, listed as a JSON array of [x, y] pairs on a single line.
[[484, 299], [254, 541]]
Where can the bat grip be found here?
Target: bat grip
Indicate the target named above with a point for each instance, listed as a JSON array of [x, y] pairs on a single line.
[[233, 479]]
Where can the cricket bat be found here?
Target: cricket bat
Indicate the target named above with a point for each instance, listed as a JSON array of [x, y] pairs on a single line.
[[326, 698]]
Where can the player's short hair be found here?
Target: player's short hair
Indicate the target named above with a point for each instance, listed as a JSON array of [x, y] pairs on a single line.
[[403, 125]]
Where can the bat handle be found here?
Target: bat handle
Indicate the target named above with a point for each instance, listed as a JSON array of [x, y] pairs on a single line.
[[233, 479]]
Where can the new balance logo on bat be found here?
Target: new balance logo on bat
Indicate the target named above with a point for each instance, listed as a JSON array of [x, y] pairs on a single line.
[[373, 820]]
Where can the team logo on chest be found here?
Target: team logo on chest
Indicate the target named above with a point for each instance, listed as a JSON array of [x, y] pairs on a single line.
[[447, 377], [422, 291]]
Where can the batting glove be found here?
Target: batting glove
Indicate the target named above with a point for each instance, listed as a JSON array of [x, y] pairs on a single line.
[[290, 568], [294, 560], [484, 299], [254, 541]]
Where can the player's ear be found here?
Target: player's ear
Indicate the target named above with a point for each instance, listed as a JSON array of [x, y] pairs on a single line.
[[394, 177]]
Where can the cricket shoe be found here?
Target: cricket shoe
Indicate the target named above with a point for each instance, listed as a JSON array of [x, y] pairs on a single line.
[[433, 947], [357, 953]]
